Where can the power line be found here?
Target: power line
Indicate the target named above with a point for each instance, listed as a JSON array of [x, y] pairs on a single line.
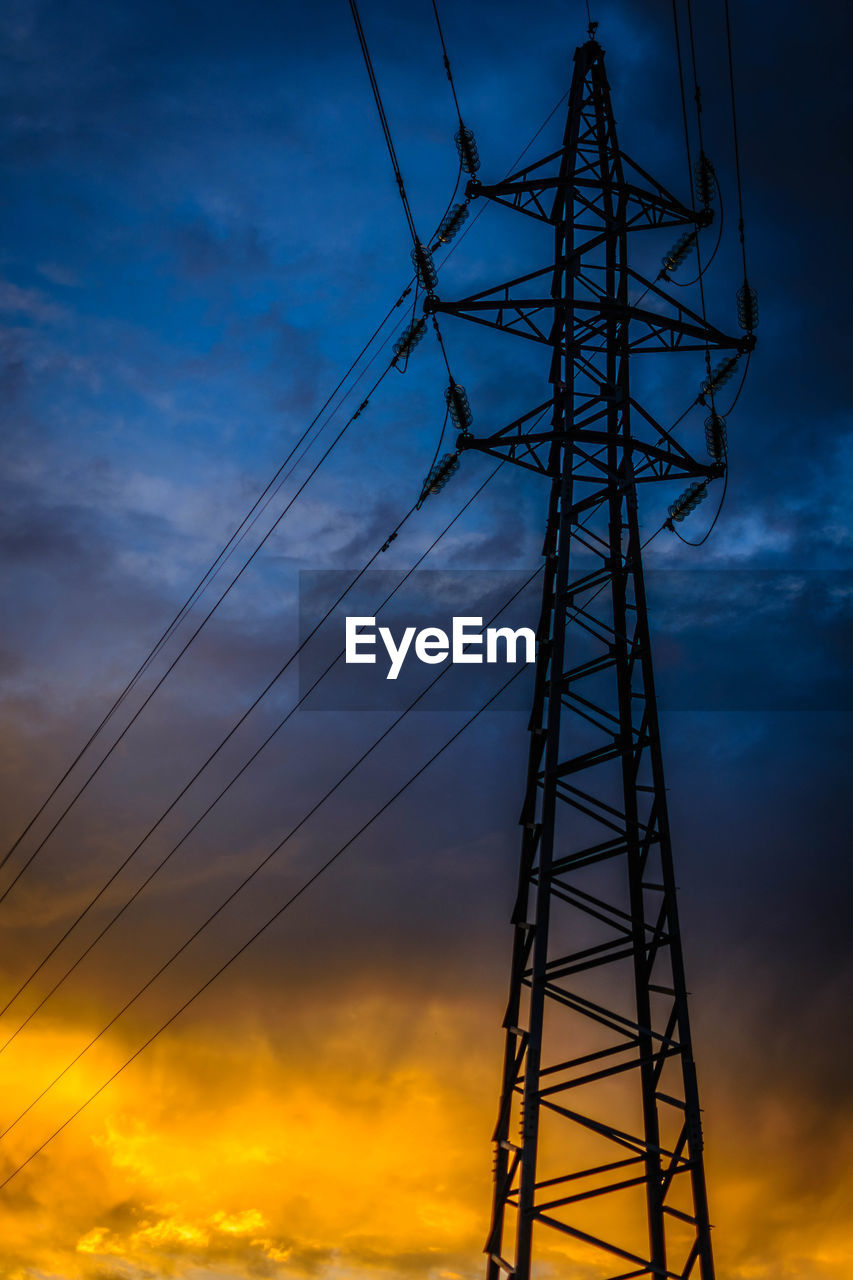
[[383, 120], [447, 66], [187, 786], [186, 646], [683, 94], [741, 228], [697, 96], [174, 849], [421, 254], [303, 888], [222, 557], [249, 520], [697, 91], [264, 861], [257, 934], [225, 553]]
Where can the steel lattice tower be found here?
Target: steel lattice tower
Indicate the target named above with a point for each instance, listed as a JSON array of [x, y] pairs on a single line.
[[598, 1135]]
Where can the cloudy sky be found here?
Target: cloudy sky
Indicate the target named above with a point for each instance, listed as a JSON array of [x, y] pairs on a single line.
[[200, 230]]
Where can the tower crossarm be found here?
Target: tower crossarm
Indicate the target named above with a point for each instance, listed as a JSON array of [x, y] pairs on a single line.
[[648, 207], [500, 308]]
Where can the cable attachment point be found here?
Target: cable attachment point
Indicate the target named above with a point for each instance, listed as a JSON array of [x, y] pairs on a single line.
[[409, 339], [450, 224], [715, 436], [425, 267], [439, 475], [677, 253], [704, 180], [469, 156], [747, 307], [459, 408], [688, 502], [386, 544], [718, 377]]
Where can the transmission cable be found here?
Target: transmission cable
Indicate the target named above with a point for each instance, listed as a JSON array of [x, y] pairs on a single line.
[[281, 910], [195, 633], [421, 254], [167, 857], [383, 120], [198, 773], [741, 384], [697, 95], [186, 607], [575, 613], [683, 94], [262, 502], [741, 228], [257, 934], [269, 856], [447, 66], [155, 871]]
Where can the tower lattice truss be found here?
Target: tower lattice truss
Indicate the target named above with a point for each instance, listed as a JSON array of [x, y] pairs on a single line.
[[598, 1144]]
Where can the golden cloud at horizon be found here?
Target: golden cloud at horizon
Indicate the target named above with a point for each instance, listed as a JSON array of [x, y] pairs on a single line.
[[358, 1149]]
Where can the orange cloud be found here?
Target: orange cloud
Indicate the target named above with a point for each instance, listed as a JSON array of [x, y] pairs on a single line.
[[358, 1150]]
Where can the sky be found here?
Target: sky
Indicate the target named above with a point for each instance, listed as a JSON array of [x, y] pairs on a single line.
[[199, 230]]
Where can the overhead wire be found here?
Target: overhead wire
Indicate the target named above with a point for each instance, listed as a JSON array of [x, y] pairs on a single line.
[[174, 849], [702, 269], [220, 559], [257, 934], [741, 227], [397, 303], [697, 95], [70, 805], [683, 94], [383, 120], [224, 790], [188, 604], [294, 897], [331, 860], [740, 385], [259, 507], [188, 785], [440, 441], [419, 248], [447, 65], [264, 862]]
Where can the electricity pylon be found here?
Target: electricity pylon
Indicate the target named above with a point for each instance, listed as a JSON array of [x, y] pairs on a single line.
[[598, 1136]]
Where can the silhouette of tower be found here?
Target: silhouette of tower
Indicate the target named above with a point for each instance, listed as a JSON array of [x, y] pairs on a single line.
[[598, 1140]]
